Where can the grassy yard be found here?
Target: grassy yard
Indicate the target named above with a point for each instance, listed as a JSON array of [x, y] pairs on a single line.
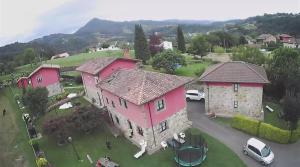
[[122, 152], [272, 117], [13, 136], [191, 69]]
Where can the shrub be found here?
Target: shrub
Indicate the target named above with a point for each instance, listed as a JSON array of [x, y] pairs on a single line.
[[219, 50], [273, 133], [295, 135], [245, 124], [41, 162], [199, 72]]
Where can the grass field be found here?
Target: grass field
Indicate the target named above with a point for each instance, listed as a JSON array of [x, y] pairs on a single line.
[[272, 117], [122, 152], [13, 137]]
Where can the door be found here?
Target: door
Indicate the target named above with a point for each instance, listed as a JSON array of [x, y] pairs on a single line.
[[254, 152]]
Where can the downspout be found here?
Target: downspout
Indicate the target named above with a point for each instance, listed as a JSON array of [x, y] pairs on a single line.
[[208, 98], [151, 124]]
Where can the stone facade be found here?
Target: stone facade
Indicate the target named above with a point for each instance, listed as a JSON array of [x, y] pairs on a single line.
[[94, 96], [224, 101], [175, 124], [55, 89]]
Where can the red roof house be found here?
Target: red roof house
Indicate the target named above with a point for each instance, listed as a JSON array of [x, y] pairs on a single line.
[[234, 88], [146, 106], [46, 75]]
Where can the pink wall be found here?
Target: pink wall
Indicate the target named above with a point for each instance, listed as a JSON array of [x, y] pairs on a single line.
[[133, 112], [23, 83], [49, 76], [88, 80], [119, 63], [174, 102]]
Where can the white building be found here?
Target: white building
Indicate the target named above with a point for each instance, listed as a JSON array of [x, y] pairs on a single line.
[[167, 45]]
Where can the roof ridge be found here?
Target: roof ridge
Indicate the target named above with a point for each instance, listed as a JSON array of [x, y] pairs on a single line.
[[142, 88], [217, 67], [248, 65]]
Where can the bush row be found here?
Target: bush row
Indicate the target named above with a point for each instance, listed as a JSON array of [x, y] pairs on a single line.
[[264, 130], [245, 124]]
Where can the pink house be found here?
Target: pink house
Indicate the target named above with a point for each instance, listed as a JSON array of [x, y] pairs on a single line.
[[47, 76], [234, 88], [146, 106], [94, 71]]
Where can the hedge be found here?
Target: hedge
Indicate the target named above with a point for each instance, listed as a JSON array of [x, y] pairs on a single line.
[[245, 124], [273, 133], [295, 135]]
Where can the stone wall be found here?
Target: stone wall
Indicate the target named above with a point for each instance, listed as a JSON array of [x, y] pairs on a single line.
[[94, 93], [220, 100], [55, 89], [176, 123]]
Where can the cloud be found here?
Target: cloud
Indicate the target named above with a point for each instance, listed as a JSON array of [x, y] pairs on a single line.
[[24, 20]]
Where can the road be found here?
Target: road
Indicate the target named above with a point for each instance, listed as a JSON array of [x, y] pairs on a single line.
[[286, 155]]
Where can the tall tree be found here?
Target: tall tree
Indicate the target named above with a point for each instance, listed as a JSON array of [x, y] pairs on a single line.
[[155, 43], [36, 100], [199, 46], [291, 111], [140, 44], [247, 54], [29, 56], [180, 40]]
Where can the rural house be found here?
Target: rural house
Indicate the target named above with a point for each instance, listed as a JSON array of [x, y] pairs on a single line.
[[47, 75], [146, 106], [265, 39], [288, 41], [94, 71], [234, 88]]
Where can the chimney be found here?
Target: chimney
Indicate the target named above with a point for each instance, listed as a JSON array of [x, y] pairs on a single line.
[[126, 53]]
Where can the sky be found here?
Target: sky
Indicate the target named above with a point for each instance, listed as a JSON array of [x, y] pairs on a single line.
[[25, 20]]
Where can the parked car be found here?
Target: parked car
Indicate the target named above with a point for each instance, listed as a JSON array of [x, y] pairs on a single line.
[[194, 95], [259, 151]]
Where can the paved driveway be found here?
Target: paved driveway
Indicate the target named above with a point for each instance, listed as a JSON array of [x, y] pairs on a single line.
[[286, 155]]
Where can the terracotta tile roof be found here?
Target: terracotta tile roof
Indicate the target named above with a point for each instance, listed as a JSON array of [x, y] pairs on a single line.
[[94, 66], [264, 36], [235, 71], [139, 86], [44, 66]]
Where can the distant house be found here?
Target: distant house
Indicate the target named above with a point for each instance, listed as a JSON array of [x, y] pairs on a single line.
[[47, 76], [167, 45], [234, 88], [94, 71], [265, 39], [288, 41], [62, 55], [146, 106]]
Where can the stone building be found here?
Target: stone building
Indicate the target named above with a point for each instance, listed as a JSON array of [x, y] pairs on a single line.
[[234, 88]]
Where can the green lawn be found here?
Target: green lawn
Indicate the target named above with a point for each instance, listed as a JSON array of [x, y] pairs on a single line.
[[13, 136], [191, 69], [122, 152], [272, 117]]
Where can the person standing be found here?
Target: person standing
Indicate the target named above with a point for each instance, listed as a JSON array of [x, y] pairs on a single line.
[[3, 112]]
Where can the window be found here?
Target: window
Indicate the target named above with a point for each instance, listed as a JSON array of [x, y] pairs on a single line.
[[235, 87], [107, 101], [163, 126], [39, 79], [113, 104], [235, 104], [160, 105], [140, 131], [123, 102], [255, 150], [117, 119]]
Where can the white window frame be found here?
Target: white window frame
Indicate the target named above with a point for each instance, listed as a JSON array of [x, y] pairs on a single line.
[[236, 87], [160, 104], [235, 104]]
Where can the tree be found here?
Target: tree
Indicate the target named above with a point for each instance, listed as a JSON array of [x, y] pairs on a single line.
[[140, 44], [36, 100], [180, 40], [247, 54], [42, 162], [168, 60], [155, 44], [199, 46], [29, 56], [57, 128], [291, 110], [242, 40], [105, 45], [86, 119]]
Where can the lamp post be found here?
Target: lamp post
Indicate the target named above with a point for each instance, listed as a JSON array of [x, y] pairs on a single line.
[[70, 140]]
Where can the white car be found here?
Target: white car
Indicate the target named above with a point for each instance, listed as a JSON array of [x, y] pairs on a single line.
[[259, 151], [194, 95]]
